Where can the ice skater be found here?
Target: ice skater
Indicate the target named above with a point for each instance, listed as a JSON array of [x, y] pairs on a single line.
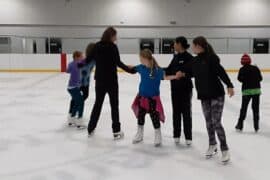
[[148, 100], [85, 76], [107, 58], [208, 73], [250, 76], [74, 85], [181, 91]]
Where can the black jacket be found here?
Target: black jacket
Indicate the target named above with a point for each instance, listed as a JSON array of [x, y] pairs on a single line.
[[179, 63], [106, 55], [208, 74], [250, 76]]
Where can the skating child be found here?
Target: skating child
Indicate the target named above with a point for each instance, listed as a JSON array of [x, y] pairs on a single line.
[[74, 86], [208, 74], [85, 76], [148, 100], [250, 77]]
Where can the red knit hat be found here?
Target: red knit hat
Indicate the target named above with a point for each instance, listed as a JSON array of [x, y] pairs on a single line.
[[245, 59]]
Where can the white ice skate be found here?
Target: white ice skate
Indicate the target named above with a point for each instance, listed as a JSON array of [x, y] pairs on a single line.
[[80, 123], [212, 150], [158, 138], [188, 142], [225, 157], [118, 135], [71, 120], [177, 141], [139, 136], [91, 134]]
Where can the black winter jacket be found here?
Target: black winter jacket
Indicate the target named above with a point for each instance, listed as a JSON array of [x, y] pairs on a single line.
[[208, 74], [106, 55], [179, 63], [250, 76]]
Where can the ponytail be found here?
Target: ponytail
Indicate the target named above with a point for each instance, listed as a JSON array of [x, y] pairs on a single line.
[[202, 42], [147, 54], [210, 49], [154, 66]]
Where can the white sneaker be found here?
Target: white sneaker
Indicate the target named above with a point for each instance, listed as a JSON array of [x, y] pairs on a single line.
[[212, 150], [188, 142], [118, 136], [139, 136], [80, 123], [177, 141], [158, 138], [71, 120], [225, 157]]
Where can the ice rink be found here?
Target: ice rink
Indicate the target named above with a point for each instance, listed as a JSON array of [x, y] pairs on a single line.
[[36, 144]]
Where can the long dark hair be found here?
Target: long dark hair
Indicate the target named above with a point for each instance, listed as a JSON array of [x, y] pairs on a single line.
[[89, 49], [108, 34], [202, 41]]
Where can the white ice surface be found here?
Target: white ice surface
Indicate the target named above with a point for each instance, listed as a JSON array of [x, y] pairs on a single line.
[[36, 144]]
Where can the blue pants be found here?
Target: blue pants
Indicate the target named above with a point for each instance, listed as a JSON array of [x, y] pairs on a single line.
[[78, 100], [85, 94]]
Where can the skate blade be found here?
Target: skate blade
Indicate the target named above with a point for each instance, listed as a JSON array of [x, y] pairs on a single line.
[[225, 162], [211, 156], [71, 125], [158, 145], [239, 130], [81, 127], [91, 135], [119, 137], [137, 142]]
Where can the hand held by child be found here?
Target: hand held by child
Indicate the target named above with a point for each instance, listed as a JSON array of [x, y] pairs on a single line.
[[179, 75], [130, 66], [230, 92]]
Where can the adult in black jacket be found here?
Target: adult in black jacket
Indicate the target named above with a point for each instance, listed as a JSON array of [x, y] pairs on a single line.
[[250, 76], [107, 58], [208, 74], [181, 91]]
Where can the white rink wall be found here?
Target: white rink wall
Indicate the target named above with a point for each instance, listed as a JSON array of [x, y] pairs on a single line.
[[52, 62], [42, 62]]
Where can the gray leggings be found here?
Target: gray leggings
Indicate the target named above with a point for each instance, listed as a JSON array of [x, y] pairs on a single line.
[[212, 109]]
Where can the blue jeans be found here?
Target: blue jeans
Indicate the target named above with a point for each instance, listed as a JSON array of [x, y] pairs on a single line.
[[78, 100], [85, 94]]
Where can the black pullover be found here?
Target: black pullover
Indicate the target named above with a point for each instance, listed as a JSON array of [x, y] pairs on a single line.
[[179, 63], [107, 57], [208, 74], [250, 76]]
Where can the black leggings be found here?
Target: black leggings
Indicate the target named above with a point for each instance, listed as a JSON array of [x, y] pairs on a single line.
[[153, 114], [101, 91]]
